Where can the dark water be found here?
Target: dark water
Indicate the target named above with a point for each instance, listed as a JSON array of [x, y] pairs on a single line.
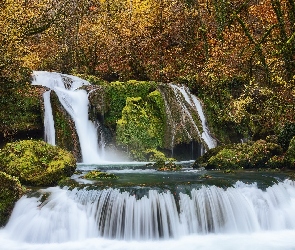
[[140, 178]]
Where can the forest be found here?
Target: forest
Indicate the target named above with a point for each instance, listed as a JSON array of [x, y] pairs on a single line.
[[237, 56]]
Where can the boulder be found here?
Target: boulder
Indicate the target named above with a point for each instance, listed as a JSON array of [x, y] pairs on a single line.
[[36, 163]]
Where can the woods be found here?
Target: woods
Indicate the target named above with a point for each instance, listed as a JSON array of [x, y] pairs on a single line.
[[238, 56]]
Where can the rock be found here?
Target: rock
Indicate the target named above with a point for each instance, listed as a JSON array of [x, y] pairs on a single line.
[[36, 163], [97, 175]]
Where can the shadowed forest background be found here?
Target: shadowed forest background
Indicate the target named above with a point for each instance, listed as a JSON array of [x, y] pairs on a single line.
[[236, 56]]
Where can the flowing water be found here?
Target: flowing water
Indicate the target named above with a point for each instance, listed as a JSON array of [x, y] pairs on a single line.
[[184, 212], [75, 102], [145, 208], [195, 104]]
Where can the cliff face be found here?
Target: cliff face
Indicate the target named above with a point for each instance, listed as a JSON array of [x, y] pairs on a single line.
[[20, 111]]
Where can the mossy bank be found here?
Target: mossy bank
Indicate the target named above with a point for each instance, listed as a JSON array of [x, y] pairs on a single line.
[[36, 163], [10, 191]]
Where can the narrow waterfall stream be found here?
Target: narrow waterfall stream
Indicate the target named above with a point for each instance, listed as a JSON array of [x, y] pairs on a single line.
[[195, 103]]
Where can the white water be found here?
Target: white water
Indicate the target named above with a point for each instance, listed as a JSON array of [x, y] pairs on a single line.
[[241, 217], [194, 102], [75, 102], [48, 119]]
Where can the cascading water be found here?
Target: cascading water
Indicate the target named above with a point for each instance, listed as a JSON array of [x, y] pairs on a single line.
[[194, 103], [48, 119], [80, 214], [75, 102]]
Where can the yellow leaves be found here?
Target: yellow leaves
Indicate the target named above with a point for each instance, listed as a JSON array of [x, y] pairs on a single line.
[[31, 60]]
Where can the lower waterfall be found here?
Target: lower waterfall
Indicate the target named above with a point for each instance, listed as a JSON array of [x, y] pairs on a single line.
[[205, 213]]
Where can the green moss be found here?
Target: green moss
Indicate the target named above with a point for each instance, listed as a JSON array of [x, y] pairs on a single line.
[[66, 135], [257, 154], [141, 125], [20, 108], [169, 166], [97, 175], [36, 162], [290, 154], [202, 160], [10, 191], [155, 155], [117, 93]]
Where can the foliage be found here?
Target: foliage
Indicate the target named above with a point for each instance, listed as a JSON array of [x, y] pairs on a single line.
[[117, 93], [10, 191], [155, 156], [290, 154], [97, 175], [286, 134], [205, 157], [238, 56], [36, 163], [141, 125], [151, 155], [15, 100], [244, 155]]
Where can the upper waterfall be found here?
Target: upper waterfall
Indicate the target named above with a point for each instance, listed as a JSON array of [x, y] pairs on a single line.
[[90, 119], [75, 102]]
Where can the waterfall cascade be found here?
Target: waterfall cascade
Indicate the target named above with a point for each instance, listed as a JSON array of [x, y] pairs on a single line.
[[75, 102], [80, 214], [186, 121], [182, 92]]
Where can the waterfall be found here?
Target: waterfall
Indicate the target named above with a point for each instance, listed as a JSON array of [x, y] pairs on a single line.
[[75, 102], [48, 119], [71, 215], [182, 92]]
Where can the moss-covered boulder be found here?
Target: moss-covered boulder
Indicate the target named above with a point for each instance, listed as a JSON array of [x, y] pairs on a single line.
[[10, 191], [167, 166], [97, 175], [36, 163], [257, 154]]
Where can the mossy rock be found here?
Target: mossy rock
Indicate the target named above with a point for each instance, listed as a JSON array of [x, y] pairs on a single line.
[[155, 155], [202, 160], [36, 163], [97, 175], [245, 155], [10, 191], [167, 166]]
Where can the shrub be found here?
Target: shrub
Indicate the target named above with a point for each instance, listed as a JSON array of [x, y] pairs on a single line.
[[286, 134], [290, 154]]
